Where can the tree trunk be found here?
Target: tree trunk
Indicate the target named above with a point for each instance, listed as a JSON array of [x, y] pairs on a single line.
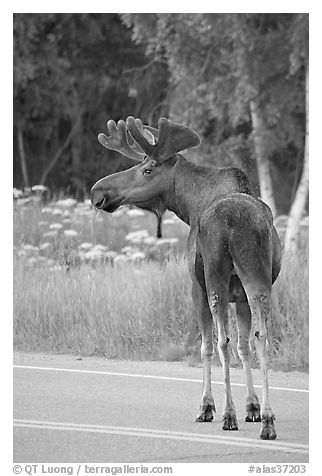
[[76, 149], [291, 243], [22, 157], [263, 169]]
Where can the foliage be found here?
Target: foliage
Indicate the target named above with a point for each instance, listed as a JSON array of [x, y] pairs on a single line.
[[72, 72], [218, 63], [69, 68]]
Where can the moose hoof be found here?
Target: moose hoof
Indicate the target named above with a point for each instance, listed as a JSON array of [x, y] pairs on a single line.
[[229, 421], [268, 431], [206, 413], [253, 411]]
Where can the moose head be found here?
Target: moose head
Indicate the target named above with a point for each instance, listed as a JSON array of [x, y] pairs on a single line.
[[154, 153]]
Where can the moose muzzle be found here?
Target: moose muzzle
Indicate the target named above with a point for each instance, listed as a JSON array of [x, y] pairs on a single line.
[[104, 197]]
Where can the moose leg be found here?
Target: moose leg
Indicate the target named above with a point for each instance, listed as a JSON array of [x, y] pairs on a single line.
[[244, 324], [218, 302], [207, 406], [260, 304]]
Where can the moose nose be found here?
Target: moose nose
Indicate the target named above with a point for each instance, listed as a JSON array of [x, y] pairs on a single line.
[[97, 197]]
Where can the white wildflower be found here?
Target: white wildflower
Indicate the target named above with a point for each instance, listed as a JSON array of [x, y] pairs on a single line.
[[110, 254], [100, 248], [50, 234], [86, 246], [45, 246], [23, 201], [32, 261], [29, 248], [57, 211], [137, 256], [66, 202], [43, 223], [127, 250], [46, 210], [70, 233], [121, 259], [135, 213], [55, 226], [39, 188], [119, 212], [166, 241], [17, 193], [94, 255], [137, 236], [150, 240]]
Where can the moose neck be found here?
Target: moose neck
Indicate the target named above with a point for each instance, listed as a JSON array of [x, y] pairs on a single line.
[[189, 193]]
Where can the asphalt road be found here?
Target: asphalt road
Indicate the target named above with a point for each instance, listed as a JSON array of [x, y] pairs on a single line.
[[100, 411]]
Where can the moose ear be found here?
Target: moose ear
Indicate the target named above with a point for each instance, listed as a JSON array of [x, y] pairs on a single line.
[[174, 138]]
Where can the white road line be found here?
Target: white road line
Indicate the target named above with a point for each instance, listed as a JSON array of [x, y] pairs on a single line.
[[162, 434], [119, 374]]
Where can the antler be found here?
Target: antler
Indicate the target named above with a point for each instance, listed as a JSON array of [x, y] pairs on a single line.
[[172, 138], [118, 140]]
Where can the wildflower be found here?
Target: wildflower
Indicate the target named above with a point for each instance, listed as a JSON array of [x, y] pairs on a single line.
[[119, 212], [138, 256], [39, 188], [137, 236], [85, 246], [100, 248], [166, 241], [135, 213], [55, 226], [149, 240], [127, 250], [66, 220], [17, 193], [67, 202], [45, 246], [32, 261], [70, 233], [110, 254], [46, 210], [29, 248], [94, 255], [23, 201], [57, 211], [57, 268], [43, 223], [50, 234], [121, 259]]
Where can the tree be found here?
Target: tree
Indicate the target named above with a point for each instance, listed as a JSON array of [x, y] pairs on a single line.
[[230, 80], [72, 72], [299, 60]]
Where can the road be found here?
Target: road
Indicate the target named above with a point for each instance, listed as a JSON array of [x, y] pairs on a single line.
[[94, 410]]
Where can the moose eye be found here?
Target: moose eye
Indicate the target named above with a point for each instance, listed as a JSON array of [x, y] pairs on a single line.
[[147, 172]]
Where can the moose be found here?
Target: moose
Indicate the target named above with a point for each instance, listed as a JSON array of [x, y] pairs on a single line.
[[234, 252]]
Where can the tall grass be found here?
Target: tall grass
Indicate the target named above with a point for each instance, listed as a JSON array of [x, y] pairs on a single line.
[[125, 311], [143, 311]]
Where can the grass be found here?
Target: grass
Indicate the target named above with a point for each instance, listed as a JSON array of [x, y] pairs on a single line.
[[142, 311], [127, 295], [124, 311]]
